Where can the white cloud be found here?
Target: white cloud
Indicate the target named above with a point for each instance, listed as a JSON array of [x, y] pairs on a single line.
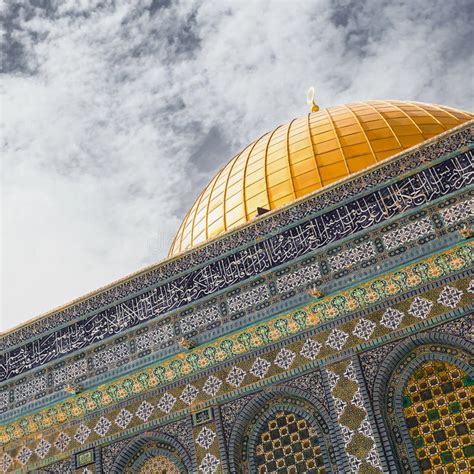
[[114, 113]]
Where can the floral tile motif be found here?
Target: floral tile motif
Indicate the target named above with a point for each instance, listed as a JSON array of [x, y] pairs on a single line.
[[337, 339], [43, 448], [199, 319], [364, 329], [235, 376], [62, 441], [350, 257], [82, 434], [166, 402], [374, 459], [5, 462], [248, 298], [209, 464], [420, 307], [260, 367], [366, 429], [297, 278], [350, 372], [123, 418], [189, 394], [23, 455], [470, 288], [284, 359], [339, 406], [458, 212], [102, 426], [144, 411], [332, 378], [408, 233], [392, 318], [205, 438], [155, 336], [310, 349], [212, 385], [450, 297]]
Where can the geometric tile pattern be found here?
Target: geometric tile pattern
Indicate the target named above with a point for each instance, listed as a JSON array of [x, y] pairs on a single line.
[[350, 257], [288, 444], [438, 407], [420, 307], [209, 464], [247, 298], [205, 437], [198, 319], [321, 343], [458, 212], [159, 464], [298, 278], [413, 231], [352, 418], [207, 447], [450, 297]]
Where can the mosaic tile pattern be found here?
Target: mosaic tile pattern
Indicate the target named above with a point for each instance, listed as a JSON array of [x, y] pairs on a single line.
[[207, 447], [288, 445], [408, 233], [352, 256], [253, 369], [427, 152], [365, 211], [162, 335], [439, 412], [159, 465], [297, 278], [248, 298], [352, 417], [199, 319], [458, 212]]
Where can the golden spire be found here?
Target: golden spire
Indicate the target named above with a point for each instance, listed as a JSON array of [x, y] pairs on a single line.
[[310, 100]]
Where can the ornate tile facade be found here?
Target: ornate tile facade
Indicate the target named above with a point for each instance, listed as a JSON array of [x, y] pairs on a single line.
[[314, 335]]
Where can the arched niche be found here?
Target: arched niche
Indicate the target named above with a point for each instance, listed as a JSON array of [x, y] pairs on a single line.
[[282, 429], [153, 453], [422, 404]]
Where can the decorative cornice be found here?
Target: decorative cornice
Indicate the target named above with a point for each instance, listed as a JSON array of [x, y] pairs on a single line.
[[269, 223], [249, 340]]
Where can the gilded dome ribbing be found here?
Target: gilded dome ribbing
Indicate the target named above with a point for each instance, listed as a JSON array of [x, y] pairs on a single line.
[[307, 154]]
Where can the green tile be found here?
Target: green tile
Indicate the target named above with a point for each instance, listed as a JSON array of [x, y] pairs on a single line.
[[454, 407], [469, 451], [406, 401], [433, 415], [468, 381], [447, 457], [419, 442]]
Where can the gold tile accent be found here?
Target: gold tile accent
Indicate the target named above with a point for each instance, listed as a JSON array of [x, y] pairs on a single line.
[[288, 444], [438, 410]]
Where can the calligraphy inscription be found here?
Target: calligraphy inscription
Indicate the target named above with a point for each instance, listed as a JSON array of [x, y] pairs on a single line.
[[364, 212]]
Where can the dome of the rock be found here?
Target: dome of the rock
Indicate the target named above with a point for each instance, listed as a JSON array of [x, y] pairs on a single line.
[[306, 154]]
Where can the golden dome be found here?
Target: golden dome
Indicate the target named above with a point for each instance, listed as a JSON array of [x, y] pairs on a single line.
[[306, 154]]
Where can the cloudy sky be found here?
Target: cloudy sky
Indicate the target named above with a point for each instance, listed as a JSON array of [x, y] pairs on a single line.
[[114, 114]]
